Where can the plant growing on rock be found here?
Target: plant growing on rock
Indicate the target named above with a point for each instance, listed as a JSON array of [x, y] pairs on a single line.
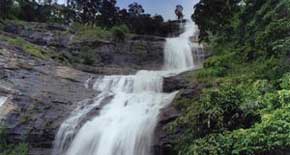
[[11, 149], [119, 32]]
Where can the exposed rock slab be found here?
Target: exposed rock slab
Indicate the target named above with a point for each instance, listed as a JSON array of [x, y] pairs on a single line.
[[41, 94]]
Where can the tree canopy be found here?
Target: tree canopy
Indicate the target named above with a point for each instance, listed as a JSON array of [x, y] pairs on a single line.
[[103, 13], [215, 15], [243, 105], [179, 12]]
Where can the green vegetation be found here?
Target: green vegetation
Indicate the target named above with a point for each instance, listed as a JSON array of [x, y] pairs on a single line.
[[119, 32], [100, 13], [26, 46], [32, 49], [11, 149], [87, 56], [85, 32], [244, 106]]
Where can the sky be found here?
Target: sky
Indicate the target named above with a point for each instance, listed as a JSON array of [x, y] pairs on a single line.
[[163, 7]]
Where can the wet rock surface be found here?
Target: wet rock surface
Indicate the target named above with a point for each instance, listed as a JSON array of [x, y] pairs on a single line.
[[175, 83]]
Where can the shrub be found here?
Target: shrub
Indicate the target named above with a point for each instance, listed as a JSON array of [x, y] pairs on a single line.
[[225, 108], [119, 32], [87, 55], [268, 137], [285, 81], [11, 149], [86, 32], [32, 49]]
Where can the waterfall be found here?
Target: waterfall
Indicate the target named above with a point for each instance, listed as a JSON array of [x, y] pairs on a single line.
[[2, 100], [126, 110], [2, 108]]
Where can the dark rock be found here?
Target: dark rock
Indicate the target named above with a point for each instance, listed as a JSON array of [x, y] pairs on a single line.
[[163, 141], [106, 70], [132, 53], [58, 27], [188, 88], [168, 114], [174, 83], [147, 38], [12, 28]]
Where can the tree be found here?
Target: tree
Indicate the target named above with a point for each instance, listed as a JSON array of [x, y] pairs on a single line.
[[86, 10], [123, 16], [109, 12], [158, 18], [179, 12], [5, 6], [29, 10], [136, 9], [214, 16]]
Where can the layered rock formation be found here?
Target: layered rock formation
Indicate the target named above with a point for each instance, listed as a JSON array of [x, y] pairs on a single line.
[[135, 52], [43, 85]]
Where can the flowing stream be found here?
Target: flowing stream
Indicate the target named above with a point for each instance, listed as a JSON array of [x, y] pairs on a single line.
[[125, 112]]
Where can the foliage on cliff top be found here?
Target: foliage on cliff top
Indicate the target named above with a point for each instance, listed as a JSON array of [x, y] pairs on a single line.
[[244, 108], [85, 32], [102, 13]]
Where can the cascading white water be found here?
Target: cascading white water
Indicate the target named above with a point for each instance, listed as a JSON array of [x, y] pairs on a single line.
[[2, 100], [178, 51], [2, 108], [127, 107]]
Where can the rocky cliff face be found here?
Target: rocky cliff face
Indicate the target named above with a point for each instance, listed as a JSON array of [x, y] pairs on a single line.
[[188, 89], [135, 52], [44, 85], [41, 95]]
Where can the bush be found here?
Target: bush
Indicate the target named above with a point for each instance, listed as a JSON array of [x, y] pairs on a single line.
[[119, 32], [88, 56], [11, 149], [86, 32], [225, 108], [28, 47], [268, 137], [285, 81]]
